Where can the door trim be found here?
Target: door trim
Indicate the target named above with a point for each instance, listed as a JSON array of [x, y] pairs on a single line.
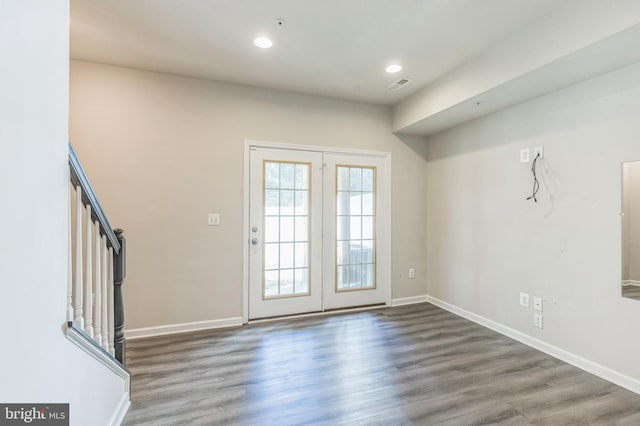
[[384, 251]]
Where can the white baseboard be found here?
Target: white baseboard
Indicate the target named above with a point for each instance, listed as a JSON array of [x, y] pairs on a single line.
[[121, 410], [409, 300], [584, 364], [631, 282], [137, 333]]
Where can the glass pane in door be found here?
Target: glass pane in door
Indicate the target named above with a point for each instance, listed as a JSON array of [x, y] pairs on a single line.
[[355, 228], [286, 229]]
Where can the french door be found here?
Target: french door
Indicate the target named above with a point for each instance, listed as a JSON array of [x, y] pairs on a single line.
[[315, 229], [354, 230]]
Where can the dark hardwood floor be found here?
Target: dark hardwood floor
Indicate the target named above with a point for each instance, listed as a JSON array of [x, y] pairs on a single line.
[[395, 366]]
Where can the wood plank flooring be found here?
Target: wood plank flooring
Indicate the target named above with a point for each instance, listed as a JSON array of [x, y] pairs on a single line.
[[414, 365]]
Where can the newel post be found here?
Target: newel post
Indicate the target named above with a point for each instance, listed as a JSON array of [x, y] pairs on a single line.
[[119, 273]]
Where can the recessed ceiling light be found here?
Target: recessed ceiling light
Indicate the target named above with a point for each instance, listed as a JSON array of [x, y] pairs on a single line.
[[263, 42], [393, 68]]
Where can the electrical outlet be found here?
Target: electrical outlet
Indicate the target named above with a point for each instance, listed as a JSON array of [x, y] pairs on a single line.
[[537, 304], [524, 299], [412, 272], [524, 155], [538, 150], [213, 219], [537, 320]]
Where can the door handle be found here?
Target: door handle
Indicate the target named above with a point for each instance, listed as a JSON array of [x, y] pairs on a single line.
[[254, 241]]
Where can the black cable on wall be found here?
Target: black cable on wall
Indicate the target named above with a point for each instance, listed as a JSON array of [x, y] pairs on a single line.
[[536, 184]]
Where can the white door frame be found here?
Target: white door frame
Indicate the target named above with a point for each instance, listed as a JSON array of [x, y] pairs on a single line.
[[385, 203]]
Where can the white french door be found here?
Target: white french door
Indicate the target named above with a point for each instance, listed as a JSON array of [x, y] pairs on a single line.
[[318, 238], [285, 236], [354, 224]]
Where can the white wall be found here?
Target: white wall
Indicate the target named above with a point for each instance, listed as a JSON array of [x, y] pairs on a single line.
[[486, 243], [37, 362], [162, 151]]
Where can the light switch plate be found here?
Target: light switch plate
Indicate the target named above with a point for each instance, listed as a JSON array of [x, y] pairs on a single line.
[[213, 219], [537, 304], [524, 299], [524, 155], [412, 272]]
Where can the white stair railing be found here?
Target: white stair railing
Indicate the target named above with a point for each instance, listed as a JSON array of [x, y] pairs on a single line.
[[97, 286], [88, 277], [70, 270], [110, 312], [78, 315], [103, 294], [94, 295]]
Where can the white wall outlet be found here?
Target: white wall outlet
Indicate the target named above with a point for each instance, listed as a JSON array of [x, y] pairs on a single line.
[[213, 219], [524, 155], [524, 299], [538, 150], [412, 272], [537, 320], [537, 304]]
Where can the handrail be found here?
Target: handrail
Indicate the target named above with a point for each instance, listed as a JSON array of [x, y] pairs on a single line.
[[79, 178], [94, 298]]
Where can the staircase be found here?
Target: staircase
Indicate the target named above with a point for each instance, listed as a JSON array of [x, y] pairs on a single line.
[[97, 262]]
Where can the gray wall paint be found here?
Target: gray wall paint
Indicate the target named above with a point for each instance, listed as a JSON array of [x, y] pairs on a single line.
[[486, 243], [162, 151]]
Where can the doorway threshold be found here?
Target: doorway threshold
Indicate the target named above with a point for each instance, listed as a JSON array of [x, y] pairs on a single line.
[[319, 313]]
